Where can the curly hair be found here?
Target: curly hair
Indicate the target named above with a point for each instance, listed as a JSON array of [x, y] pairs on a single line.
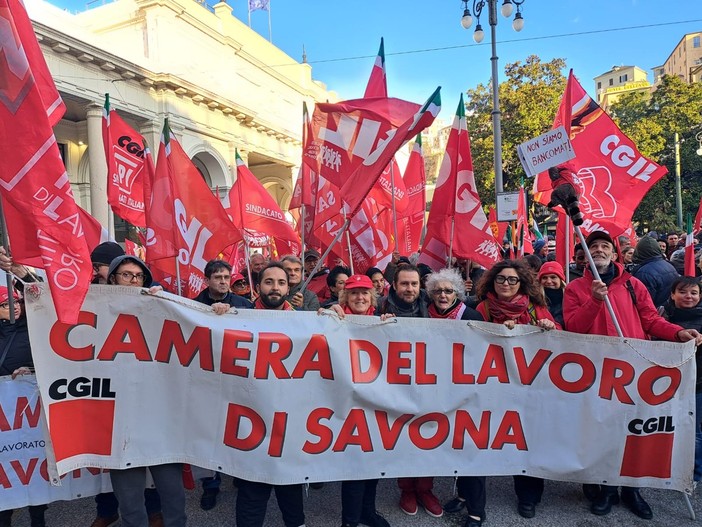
[[447, 275], [343, 297], [528, 284]]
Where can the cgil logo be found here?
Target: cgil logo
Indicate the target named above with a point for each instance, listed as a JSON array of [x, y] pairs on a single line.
[[664, 423], [60, 389]]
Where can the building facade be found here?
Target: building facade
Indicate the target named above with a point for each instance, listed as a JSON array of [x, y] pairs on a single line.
[[620, 80], [684, 61], [222, 86]]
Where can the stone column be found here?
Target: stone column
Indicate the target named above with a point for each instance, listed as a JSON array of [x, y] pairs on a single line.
[[97, 165]]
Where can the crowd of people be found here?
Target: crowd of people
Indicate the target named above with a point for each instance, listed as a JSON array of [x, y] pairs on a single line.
[[648, 294]]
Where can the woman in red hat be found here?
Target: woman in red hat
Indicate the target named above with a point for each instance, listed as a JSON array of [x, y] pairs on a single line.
[[358, 297], [552, 279]]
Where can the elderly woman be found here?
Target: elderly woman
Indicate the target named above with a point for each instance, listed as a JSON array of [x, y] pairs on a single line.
[[358, 297], [511, 295], [446, 289], [552, 279]]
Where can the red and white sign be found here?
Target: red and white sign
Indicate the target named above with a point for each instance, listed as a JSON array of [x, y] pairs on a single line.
[[26, 475], [282, 396]]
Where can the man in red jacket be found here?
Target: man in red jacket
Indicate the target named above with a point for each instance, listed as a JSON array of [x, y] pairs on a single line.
[[584, 311]]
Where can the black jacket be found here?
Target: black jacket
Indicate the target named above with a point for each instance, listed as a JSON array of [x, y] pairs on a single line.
[[230, 298], [398, 307], [657, 274], [20, 353]]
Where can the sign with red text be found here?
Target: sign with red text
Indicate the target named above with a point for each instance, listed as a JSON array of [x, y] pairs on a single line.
[[287, 397], [25, 472]]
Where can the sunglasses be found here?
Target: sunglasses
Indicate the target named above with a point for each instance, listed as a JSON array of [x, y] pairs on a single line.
[[447, 292]]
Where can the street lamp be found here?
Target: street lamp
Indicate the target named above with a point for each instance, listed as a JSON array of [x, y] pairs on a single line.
[[517, 24]]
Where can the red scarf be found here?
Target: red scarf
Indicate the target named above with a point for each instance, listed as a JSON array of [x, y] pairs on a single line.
[[287, 306], [516, 309], [454, 312], [371, 311]]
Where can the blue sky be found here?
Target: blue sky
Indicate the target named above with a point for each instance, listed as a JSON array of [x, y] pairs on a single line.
[[426, 46]]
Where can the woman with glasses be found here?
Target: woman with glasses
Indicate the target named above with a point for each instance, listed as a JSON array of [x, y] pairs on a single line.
[[128, 484], [446, 289], [510, 294]]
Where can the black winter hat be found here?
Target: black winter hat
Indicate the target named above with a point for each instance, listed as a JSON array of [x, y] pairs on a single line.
[[106, 252]]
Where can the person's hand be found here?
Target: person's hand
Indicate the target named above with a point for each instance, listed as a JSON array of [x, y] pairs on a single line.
[[599, 290], [220, 308], [386, 316], [21, 371], [545, 323], [509, 324], [395, 257], [7, 265], [336, 308], [154, 289], [685, 335], [297, 299], [468, 285]]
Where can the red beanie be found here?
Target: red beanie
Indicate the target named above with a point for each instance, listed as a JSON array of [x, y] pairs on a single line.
[[552, 268]]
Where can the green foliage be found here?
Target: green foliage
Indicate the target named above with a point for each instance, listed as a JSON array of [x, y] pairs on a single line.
[[651, 121], [529, 99]]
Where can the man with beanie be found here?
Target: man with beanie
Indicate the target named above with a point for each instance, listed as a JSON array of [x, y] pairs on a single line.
[[539, 249], [656, 273], [101, 257], [585, 312]]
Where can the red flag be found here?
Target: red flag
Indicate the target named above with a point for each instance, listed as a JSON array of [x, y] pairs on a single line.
[[523, 233], [184, 218], [126, 170], [698, 218], [564, 251], [354, 140], [95, 233], [305, 190], [411, 222], [256, 214], [609, 172], [377, 82], [456, 202], [43, 220]]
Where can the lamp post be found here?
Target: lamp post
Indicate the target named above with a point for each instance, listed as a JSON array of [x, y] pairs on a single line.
[[478, 36]]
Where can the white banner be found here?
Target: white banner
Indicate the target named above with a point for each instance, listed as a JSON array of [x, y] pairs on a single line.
[[24, 470], [287, 397]]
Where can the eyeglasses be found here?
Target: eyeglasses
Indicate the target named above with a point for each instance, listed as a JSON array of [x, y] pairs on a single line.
[[511, 280], [129, 277], [5, 305], [447, 292], [239, 284]]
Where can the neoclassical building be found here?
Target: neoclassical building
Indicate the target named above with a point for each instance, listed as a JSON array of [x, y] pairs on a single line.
[[222, 86]]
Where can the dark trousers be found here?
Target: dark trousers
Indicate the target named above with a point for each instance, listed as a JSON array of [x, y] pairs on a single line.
[[357, 499], [612, 489], [212, 483], [107, 504], [528, 489], [252, 500], [36, 513], [472, 489]]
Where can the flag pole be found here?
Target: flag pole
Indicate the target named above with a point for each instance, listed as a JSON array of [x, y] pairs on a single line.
[[8, 275], [450, 254], [249, 3], [596, 276], [321, 260], [270, 32], [177, 266], [302, 232], [566, 249]]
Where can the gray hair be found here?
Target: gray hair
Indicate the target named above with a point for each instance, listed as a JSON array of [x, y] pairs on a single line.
[[447, 275], [291, 258]]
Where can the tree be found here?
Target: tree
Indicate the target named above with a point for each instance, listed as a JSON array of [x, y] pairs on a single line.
[[651, 121], [529, 100]]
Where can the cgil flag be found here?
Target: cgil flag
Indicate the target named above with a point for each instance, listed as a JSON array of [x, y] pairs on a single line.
[[609, 172], [353, 141], [126, 167], [411, 221], [43, 221], [457, 225], [256, 214], [187, 224]]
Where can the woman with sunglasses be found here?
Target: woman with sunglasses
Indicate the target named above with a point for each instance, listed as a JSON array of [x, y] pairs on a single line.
[[510, 294], [446, 289]]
